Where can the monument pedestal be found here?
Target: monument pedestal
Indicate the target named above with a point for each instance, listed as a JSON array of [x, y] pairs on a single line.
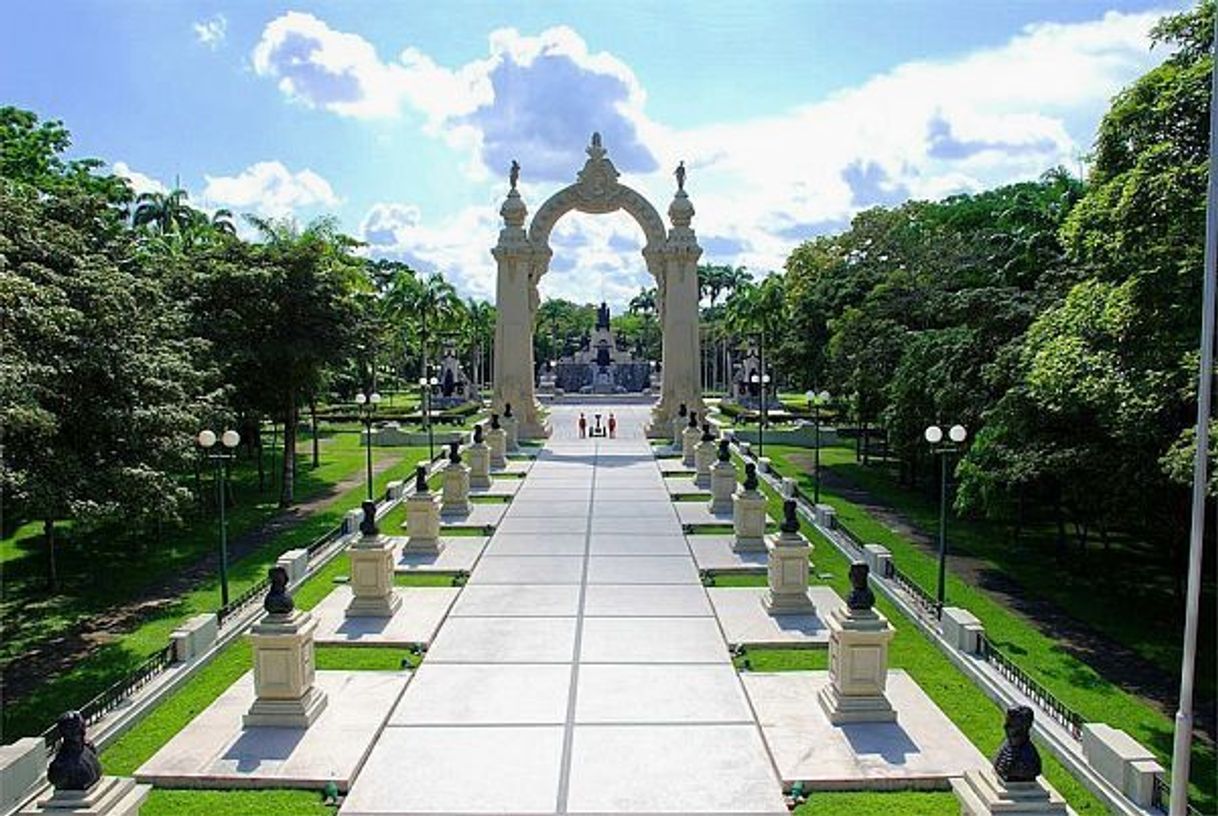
[[423, 523], [678, 426], [788, 576], [512, 428], [982, 793], [723, 485], [372, 579], [479, 455], [284, 672], [108, 796], [456, 489], [704, 457], [858, 667], [496, 440], [748, 519], [689, 442]]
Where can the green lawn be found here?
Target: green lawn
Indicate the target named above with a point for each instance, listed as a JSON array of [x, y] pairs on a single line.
[[164, 802], [35, 711], [1040, 655]]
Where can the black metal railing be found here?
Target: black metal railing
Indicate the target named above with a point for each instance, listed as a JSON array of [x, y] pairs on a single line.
[[118, 693], [242, 601], [323, 540], [856, 541], [1160, 798], [1065, 716], [927, 604]]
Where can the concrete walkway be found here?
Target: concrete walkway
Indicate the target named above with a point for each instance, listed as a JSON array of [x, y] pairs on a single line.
[[582, 669]]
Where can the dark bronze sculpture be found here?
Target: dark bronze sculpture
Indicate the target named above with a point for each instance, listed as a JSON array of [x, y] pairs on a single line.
[[725, 453], [750, 476], [861, 598], [494, 422], [420, 479], [707, 436], [75, 766], [680, 174], [693, 419], [682, 410], [368, 525], [1017, 759], [514, 173], [507, 410], [454, 452], [478, 434], [790, 524], [278, 601]]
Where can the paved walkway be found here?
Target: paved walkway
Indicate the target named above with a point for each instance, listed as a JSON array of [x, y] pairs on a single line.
[[582, 669]]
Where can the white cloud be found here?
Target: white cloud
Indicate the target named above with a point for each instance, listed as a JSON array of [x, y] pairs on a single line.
[[139, 182], [270, 189], [211, 32]]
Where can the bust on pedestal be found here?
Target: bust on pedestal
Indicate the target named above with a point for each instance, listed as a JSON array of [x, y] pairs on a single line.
[[858, 658], [723, 479], [456, 483], [1014, 784], [76, 775], [748, 514], [689, 440], [422, 516], [496, 440], [283, 662], [479, 454], [511, 427], [788, 568], [678, 425], [704, 455], [372, 594]]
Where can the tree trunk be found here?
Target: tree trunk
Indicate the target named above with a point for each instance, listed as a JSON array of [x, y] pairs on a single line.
[[287, 490], [258, 448], [48, 533], [274, 448], [313, 421]]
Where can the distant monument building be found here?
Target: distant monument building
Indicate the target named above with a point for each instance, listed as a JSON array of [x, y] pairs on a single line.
[[600, 367], [454, 388]]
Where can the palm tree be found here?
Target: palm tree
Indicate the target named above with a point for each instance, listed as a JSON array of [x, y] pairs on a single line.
[[480, 332], [424, 307], [644, 302], [166, 212]]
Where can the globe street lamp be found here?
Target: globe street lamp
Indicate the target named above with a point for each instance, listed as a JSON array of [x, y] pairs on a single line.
[[763, 381], [219, 459], [428, 383], [367, 407], [815, 400], [934, 435]]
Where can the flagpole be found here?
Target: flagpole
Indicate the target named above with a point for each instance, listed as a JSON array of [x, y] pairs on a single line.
[[1182, 746]]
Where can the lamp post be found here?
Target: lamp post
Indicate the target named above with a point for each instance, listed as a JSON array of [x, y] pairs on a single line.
[[934, 435], [367, 407], [814, 402], [219, 459], [428, 383], [762, 380]]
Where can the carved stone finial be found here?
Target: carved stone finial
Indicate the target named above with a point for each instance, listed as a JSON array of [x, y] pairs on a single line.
[[278, 601], [494, 422], [725, 451], [750, 476], [693, 419], [1017, 759], [368, 525], [790, 524], [514, 173], [682, 410], [420, 479], [680, 174], [861, 598], [454, 453], [478, 434], [75, 766]]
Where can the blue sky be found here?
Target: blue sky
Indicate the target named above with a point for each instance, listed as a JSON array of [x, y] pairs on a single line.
[[401, 118]]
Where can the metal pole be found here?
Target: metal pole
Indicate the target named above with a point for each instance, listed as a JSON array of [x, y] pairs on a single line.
[[1182, 745], [761, 382], [221, 478], [816, 453], [942, 527], [368, 446], [431, 441]]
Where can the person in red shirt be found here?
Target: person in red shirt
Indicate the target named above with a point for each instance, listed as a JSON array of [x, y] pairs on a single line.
[[612, 426], [583, 426]]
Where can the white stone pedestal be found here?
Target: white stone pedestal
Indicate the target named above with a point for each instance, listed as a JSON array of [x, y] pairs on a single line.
[[858, 668], [372, 578], [678, 427], [456, 488], [284, 672], [788, 576], [723, 485], [689, 442], [704, 457], [982, 793], [479, 455], [423, 523], [109, 796], [496, 440], [748, 519], [512, 428]]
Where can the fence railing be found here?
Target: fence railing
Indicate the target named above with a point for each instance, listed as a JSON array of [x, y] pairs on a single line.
[[926, 603], [118, 693], [1065, 716], [242, 601], [1160, 796]]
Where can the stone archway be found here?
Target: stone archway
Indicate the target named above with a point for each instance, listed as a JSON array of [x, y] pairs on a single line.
[[524, 256]]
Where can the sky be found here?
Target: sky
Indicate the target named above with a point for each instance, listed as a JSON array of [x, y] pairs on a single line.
[[401, 118]]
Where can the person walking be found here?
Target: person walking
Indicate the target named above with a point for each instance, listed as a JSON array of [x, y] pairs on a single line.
[[583, 426], [612, 426]]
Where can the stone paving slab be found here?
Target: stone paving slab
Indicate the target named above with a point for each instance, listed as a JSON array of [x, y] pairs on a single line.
[[660, 510], [715, 553], [686, 769], [459, 554], [517, 600], [504, 640], [679, 486], [499, 487], [675, 465], [922, 748], [418, 617], [637, 544], [214, 750], [527, 569], [659, 694], [633, 526], [542, 525], [537, 544], [485, 694], [641, 569], [502, 770], [746, 623], [624, 494], [646, 601], [651, 640], [481, 514], [699, 513], [517, 465], [541, 508]]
